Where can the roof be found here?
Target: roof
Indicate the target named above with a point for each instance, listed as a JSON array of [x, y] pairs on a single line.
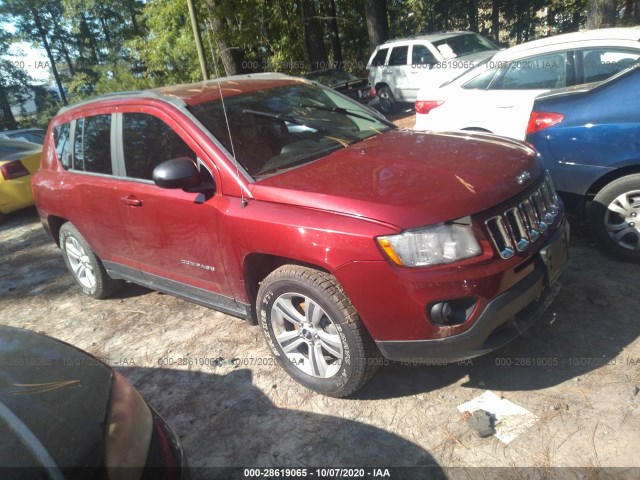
[[432, 37], [603, 34], [195, 93]]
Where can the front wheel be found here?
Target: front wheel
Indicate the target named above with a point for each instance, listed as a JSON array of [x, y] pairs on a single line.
[[314, 331], [615, 217]]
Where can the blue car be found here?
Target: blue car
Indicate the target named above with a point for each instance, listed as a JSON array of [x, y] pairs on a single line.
[[589, 139]]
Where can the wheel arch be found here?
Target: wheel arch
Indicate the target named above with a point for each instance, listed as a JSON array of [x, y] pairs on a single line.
[[379, 85], [257, 266], [476, 129], [54, 223], [603, 181]]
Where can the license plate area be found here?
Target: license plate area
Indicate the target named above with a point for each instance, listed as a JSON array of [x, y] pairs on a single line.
[[556, 254]]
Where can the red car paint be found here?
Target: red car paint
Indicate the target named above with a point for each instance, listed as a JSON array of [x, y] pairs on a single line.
[[325, 214]]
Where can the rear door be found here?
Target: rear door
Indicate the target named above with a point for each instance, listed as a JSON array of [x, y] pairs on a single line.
[[85, 148], [172, 233]]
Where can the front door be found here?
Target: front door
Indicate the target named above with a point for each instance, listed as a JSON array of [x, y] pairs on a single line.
[[172, 233]]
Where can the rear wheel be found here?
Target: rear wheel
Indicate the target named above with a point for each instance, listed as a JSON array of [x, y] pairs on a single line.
[[314, 331], [84, 265], [615, 217], [387, 100]]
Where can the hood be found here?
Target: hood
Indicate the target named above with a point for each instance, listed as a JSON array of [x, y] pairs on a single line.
[[408, 179], [54, 393]]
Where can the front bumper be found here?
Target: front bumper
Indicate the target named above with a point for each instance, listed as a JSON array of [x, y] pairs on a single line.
[[504, 318]]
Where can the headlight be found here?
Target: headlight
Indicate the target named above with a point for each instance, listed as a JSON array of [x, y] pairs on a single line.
[[444, 243]]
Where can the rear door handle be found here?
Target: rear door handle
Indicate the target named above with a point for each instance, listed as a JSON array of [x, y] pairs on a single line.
[[131, 200]]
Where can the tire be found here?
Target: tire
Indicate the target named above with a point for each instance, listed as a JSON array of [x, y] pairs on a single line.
[[85, 267], [304, 310], [388, 102], [615, 217]]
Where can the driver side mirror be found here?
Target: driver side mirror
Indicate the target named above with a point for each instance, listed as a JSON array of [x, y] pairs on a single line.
[[177, 173]]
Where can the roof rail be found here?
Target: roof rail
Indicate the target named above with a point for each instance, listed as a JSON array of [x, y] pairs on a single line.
[[424, 34], [130, 93]]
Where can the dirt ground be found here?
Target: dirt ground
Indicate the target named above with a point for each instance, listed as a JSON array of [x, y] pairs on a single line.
[[212, 378]]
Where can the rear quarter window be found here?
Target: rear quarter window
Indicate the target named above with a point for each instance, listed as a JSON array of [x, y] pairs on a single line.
[[62, 140]]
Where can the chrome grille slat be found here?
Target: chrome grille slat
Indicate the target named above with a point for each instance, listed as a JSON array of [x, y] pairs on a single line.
[[521, 225]]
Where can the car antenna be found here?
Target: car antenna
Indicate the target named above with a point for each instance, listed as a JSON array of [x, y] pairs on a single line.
[[224, 110]]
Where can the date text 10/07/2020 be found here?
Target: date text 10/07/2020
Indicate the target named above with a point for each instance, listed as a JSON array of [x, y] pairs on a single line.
[[320, 473]]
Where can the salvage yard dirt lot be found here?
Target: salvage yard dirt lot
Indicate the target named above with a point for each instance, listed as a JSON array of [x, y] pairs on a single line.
[[211, 377]]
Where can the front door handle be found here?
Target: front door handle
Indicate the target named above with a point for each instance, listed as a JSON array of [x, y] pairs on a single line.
[[131, 200]]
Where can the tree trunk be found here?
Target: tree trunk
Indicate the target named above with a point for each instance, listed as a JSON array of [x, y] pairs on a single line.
[[198, 40], [330, 9], [601, 13], [232, 57], [60, 38], [377, 24], [45, 43], [86, 37], [8, 120], [495, 20], [314, 43], [628, 10], [134, 22], [473, 15]]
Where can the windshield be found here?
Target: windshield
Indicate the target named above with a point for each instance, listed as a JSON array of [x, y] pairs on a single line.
[[279, 128], [465, 44]]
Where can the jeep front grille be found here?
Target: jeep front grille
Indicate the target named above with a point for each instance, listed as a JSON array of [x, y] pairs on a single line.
[[521, 225]]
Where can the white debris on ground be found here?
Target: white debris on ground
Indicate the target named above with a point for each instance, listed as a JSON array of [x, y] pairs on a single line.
[[511, 420]]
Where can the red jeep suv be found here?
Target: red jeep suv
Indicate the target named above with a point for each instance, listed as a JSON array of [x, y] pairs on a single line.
[[275, 199]]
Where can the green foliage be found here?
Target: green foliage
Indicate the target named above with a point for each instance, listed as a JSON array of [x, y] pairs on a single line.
[[100, 46], [167, 53]]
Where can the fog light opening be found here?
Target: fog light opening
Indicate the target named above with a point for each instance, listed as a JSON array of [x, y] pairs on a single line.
[[451, 312]]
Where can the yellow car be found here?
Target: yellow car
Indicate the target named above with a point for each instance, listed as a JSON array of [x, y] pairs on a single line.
[[18, 161]]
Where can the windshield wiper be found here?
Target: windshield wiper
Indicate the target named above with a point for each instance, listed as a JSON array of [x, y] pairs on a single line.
[[344, 111], [301, 122]]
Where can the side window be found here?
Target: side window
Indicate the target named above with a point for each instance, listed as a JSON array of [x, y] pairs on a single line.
[[147, 141], [541, 72], [601, 63], [61, 137], [421, 55], [398, 56], [380, 57], [92, 145], [482, 81]]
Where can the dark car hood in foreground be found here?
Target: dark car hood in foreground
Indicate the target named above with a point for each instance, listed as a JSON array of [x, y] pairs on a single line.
[[52, 392], [409, 179]]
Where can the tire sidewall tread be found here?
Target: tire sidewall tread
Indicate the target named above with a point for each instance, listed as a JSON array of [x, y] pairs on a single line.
[[599, 208], [360, 353], [105, 285]]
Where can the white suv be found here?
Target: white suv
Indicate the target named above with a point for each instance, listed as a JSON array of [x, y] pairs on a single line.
[[399, 68]]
